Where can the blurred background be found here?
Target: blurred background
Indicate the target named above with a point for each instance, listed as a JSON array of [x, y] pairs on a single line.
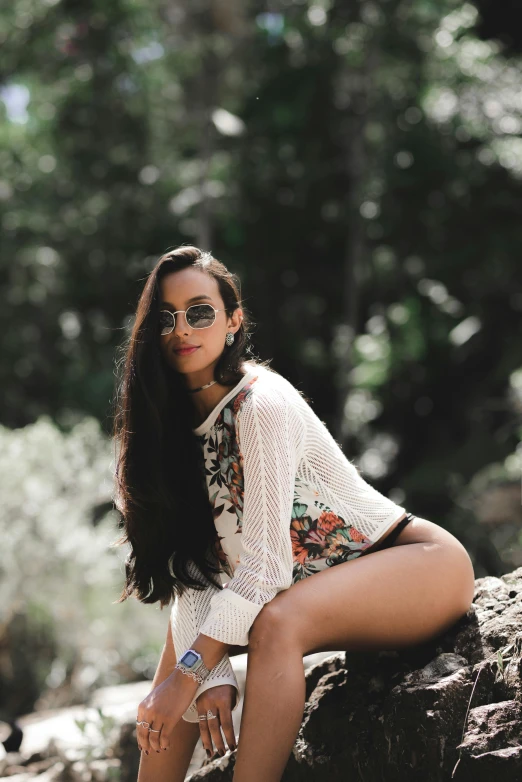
[[357, 164]]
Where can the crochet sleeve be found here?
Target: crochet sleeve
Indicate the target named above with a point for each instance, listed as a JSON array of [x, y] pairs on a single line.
[[188, 612], [270, 436]]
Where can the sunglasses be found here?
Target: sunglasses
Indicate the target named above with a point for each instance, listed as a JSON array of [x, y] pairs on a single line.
[[198, 316]]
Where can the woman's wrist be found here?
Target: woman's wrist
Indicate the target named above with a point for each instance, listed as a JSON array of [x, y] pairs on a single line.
[[178, 676]]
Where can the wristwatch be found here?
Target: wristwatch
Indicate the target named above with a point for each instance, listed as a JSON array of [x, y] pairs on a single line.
[[192, 664]]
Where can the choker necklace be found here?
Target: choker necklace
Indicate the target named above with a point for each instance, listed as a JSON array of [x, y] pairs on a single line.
[[191, 390]]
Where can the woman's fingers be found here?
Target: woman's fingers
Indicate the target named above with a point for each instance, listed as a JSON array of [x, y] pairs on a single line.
[[211, 727], [215, 731], [155, 738], [205, 736], [227, 726], [219, 701], [142, 735]]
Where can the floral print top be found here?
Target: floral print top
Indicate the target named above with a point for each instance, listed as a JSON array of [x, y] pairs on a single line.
[[320, 536]]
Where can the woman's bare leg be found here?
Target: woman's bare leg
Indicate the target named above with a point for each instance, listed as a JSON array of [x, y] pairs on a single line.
[[170, 765], [397, 597]]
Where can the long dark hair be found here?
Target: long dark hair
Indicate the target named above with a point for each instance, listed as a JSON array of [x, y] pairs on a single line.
[[160, 485]]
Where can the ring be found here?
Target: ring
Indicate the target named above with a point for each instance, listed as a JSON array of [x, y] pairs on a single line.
[[154, 731], [145, 724], [207, 716]]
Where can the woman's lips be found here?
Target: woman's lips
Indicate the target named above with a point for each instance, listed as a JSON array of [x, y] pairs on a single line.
[[186, 351]]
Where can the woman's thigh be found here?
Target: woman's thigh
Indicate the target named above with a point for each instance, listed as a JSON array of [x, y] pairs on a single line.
[[399, 596]]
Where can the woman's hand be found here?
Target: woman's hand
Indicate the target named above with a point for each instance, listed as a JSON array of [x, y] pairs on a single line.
[[162, 709], [220, 700]]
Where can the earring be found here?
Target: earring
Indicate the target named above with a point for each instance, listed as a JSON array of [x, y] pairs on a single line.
[[230, 338]]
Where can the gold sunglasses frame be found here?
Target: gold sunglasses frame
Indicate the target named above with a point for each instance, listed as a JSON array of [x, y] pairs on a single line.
[[196, 328]]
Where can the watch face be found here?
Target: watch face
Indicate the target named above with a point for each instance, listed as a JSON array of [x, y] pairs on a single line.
[[189, 658]]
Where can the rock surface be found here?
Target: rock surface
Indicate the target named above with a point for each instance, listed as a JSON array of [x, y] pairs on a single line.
[[450, 709]]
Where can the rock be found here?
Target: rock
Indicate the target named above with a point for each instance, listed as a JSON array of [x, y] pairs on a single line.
[[403, 715], [493, 743]]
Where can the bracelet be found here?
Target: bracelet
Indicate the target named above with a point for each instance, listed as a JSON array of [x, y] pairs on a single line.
[[195, 676]]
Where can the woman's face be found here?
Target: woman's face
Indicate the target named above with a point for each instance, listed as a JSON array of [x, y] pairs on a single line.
[[178, 291]]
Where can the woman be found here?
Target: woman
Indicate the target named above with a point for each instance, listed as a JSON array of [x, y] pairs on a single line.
[[225, 470]]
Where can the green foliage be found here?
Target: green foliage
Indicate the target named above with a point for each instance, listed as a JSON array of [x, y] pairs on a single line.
[[61, 571]]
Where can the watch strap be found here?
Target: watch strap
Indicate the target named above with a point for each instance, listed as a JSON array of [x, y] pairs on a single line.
[[198, 670]]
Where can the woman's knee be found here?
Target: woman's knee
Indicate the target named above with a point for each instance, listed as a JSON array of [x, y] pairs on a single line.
[[273, 624], [270, 623]]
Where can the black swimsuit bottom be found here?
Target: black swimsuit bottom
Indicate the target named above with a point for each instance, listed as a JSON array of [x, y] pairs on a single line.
[[388, 541]]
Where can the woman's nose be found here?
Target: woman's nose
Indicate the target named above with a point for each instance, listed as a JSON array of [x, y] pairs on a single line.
[[181, 323]]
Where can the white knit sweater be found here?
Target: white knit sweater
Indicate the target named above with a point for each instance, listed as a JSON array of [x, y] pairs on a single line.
[[287, 503]]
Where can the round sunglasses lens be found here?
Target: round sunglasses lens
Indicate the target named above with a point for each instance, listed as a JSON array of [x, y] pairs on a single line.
[[200, 316], [166, 321]]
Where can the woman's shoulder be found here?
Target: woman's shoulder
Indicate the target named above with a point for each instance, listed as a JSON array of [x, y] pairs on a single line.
[[266, 381], [267, 390]]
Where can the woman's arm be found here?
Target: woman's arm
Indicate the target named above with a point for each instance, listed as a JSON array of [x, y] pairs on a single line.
[[188, 613], [271, 435], [173, 764], [167, 660], [213, 650]]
